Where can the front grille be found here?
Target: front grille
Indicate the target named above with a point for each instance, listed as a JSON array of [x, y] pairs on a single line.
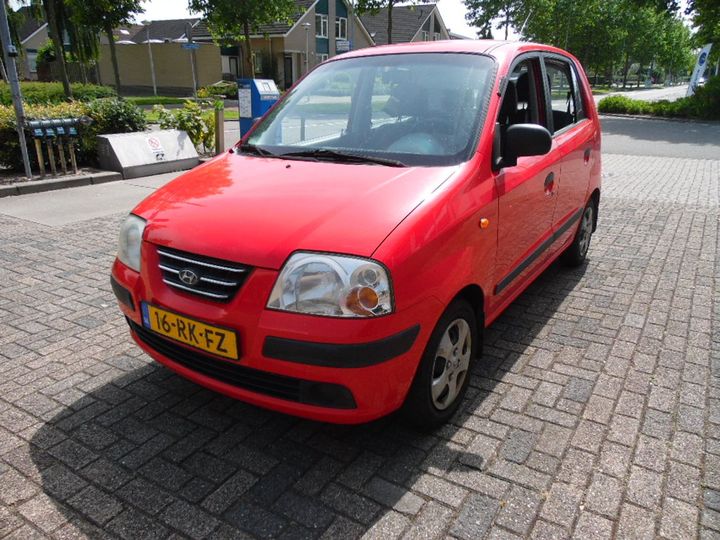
[[217, 279], [261, 382]]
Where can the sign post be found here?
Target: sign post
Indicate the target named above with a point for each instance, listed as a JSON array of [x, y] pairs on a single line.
[[9, 54], [700, 66]]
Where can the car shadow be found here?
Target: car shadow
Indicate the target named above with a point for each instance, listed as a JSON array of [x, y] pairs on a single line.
[[148, 454]]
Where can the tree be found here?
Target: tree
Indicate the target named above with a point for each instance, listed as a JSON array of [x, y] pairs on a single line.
[[104, 16], [231, 21], [54, 15], [706, 18], [374, 6], [482, 13]]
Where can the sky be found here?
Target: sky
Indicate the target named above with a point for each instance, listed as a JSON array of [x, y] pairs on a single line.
[[452, 12]]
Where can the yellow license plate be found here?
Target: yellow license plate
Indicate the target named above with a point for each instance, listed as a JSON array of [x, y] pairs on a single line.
[[205, 337]]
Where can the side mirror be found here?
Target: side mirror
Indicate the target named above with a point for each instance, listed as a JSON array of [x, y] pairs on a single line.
[[524, 140]]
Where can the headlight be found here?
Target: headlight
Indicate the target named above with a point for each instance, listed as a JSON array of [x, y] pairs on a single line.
[[332, 285], [131, 234]]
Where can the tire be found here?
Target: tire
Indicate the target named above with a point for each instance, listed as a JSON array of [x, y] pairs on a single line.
[[576, 253], [440, 383]]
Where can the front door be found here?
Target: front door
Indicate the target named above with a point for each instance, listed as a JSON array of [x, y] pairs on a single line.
[[526, 191]]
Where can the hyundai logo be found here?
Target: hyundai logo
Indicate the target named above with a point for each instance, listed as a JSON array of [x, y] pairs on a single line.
[[188, 277]]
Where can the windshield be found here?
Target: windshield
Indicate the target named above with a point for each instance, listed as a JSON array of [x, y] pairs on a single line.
[[413, 109]]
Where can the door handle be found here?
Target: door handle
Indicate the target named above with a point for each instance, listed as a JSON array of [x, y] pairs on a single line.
[[549, 183]]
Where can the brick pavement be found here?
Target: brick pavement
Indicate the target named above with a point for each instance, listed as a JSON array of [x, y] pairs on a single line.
[[595, 412]]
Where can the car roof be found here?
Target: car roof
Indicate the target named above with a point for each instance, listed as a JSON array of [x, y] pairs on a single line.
[[500, 50]]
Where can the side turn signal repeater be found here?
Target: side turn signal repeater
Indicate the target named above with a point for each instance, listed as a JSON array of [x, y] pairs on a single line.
[[484, 223]]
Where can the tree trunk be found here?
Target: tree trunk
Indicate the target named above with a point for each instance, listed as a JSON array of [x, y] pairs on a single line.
[[626, 69], [389, 25], [113, 57], [56, 38], [249, 66], [507, 21]]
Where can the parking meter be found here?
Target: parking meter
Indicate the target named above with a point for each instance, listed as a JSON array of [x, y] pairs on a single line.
[[255, 98]]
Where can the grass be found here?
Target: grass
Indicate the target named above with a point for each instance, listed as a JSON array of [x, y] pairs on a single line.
[[156, 100]]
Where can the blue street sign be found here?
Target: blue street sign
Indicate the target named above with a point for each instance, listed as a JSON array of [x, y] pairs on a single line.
[[191, 46]]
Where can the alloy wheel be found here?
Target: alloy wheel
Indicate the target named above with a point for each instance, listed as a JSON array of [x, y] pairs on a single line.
[[450, 367]]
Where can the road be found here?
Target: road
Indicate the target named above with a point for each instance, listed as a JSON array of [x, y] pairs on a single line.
[[594, 412], [670, 93]]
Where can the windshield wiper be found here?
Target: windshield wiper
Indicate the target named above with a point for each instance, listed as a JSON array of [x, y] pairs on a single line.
[[336, 155], [257, 150]]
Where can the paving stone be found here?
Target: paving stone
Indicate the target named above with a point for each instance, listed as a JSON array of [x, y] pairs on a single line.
[[519, 511], [679, 520], [97, 505], [133, 525], [651, 453], [518, 445], [636, 523], [189, 519], [596, 411], [391, 525], [475, 517], [592, 526], [604, 495], [683, 482], [562, 504]]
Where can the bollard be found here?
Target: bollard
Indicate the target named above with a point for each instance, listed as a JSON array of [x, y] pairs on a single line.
[[61, 150], [219, 128], [37, 137], [56, 132], [71, 148]]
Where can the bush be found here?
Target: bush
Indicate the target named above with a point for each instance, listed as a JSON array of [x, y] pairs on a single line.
[[197, 122], [226, 89], [109, 115], [52, 92], [704, 104], [10, 155]]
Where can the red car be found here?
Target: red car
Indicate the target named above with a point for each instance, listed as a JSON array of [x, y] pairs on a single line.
[[342, 260]]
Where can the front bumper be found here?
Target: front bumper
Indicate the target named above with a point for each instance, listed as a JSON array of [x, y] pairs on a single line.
[[333, 370]]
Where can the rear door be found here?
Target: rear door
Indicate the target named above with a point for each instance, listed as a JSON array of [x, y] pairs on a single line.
[[574, 136], [526, 201]]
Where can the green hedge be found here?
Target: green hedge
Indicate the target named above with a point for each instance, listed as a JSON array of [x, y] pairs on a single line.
[[52, 92], [225, 89], [109, 115], [705, 104]]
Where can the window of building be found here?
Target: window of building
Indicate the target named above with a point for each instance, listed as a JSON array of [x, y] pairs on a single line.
[[234, 65], [436, 37], [32, 61], [321, 25], [322, 57], [340, 28], [257, 62], [425, 35]]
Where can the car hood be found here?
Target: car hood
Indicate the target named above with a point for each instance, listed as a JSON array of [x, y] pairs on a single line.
[[257, 210]]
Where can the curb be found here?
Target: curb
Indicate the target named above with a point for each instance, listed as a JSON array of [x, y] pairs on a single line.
[[52, 184]]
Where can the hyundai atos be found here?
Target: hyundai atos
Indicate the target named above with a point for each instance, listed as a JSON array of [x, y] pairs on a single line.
[[342, 260]]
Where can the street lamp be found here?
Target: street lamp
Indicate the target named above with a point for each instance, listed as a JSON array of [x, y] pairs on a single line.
[[146, 24], [306, 25]]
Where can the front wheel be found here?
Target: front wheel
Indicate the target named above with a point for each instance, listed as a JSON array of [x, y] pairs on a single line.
[[444, 372], [576, 253]]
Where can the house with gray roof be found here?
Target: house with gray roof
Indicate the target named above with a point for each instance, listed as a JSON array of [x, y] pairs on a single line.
[[421, 22]]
